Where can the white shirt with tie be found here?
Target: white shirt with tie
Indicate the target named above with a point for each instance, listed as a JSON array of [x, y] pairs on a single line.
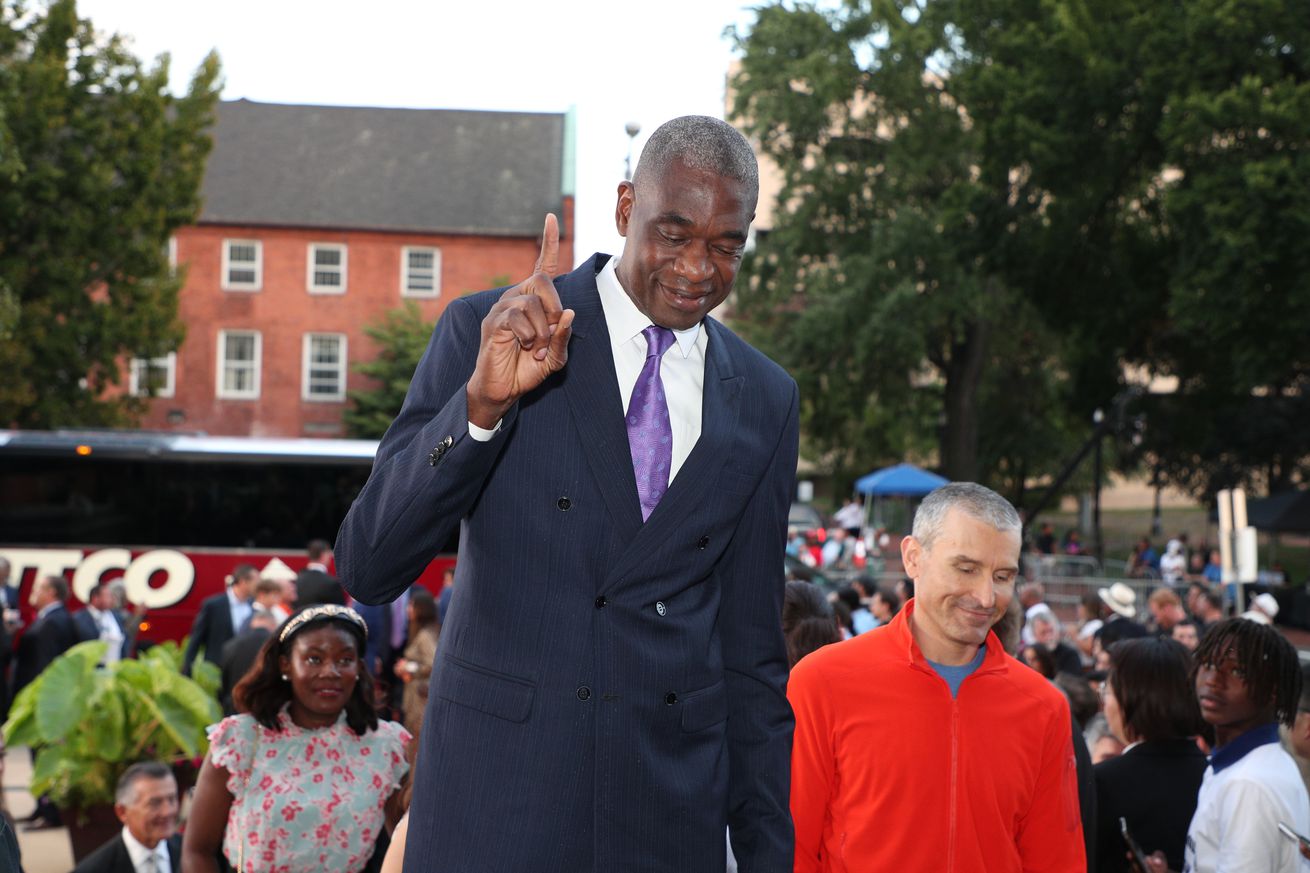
[[682, 369], [146, 860]]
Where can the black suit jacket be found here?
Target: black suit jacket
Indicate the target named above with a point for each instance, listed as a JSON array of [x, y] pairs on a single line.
[[212, 629], [1153, 786], [112, 857], [87, 629], [314, 587], [608, 693], [45, 640]]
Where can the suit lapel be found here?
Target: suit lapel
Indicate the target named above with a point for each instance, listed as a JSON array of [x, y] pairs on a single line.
[[595, 402], [720, 405]]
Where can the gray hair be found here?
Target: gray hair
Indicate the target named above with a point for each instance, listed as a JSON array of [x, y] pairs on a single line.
[[125, 791], [974, 500], [701, 143]]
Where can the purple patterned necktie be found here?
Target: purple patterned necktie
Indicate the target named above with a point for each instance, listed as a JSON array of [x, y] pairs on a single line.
[[650, 436]]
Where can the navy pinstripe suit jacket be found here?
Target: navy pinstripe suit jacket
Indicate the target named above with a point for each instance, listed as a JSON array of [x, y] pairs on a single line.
[[608, 694]]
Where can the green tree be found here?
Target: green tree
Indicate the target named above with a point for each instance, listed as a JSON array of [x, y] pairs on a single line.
[[99, 164], [990, 207], [401, 336]]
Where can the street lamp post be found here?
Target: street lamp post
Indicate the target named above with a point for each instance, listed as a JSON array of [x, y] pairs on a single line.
[[633, 128], [1098, 419]]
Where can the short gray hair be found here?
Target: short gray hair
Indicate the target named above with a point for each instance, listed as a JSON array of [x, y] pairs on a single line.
[[125, 791], [973, 499], [701, 143]]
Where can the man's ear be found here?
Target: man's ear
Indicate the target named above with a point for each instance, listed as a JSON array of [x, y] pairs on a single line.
[[911, 554], [121, 811], [623, 207]]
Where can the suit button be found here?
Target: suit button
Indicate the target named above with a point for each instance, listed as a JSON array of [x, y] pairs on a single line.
[[435, 455], [601, 602], [564, 503], [702, 543], [448, 441], [660, 607], [670, 698], [584, 693]]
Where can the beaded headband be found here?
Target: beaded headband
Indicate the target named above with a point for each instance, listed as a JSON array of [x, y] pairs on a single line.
[[322, 613]]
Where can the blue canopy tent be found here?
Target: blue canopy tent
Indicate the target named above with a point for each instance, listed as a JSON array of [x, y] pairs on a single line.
[[893, 490]]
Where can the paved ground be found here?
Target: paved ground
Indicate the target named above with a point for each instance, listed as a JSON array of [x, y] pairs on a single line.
[[43, 851]]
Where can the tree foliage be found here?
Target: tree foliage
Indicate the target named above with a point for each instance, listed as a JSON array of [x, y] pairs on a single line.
[[401, 336], [990, 207], [99, 164]]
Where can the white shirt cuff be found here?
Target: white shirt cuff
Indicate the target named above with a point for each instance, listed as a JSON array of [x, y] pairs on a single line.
[[481, 434]]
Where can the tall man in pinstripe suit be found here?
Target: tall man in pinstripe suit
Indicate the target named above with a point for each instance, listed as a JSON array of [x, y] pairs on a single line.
[[609, 691]]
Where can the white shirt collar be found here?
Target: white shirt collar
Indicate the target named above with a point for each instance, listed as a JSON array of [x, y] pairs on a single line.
[[138, 853], [624, 319], [47, 609]]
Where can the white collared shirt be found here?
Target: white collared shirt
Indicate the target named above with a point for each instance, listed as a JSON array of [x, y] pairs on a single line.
[[682, 369], [139, 853], [240, 611], [110, 632]]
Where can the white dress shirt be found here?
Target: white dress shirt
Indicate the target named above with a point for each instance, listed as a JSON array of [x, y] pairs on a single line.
[[140, 855], [682, 368], [110, 632], [240, 611]]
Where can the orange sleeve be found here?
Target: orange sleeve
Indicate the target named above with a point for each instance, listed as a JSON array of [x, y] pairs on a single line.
[[1051, 834], [812, 762]]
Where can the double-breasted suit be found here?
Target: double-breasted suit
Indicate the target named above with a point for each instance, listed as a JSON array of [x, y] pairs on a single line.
[[608, 693]]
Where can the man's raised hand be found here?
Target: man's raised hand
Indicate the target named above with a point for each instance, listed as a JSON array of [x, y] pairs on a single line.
[[525, 338]]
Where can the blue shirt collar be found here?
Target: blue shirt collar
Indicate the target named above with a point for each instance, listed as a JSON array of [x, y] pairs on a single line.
[[1227, 755]]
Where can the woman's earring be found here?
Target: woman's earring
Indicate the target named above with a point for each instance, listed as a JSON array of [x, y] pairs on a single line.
[[284, 677]]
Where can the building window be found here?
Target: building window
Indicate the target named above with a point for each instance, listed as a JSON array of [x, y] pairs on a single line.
[[324, 370], [153, 377], [172, 256], [243, 264], [420, 272], [238, 364], [327, 269]]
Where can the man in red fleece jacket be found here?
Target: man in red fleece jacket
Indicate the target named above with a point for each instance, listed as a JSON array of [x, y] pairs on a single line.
[[921, 745]]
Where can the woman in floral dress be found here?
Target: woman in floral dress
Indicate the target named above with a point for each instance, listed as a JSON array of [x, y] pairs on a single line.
[[301, 780]]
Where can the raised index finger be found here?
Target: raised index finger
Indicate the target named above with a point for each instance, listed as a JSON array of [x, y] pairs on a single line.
[[548, 262]]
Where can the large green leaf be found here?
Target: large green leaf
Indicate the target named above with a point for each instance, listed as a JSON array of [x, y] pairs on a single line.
[[175, 730], [62, 699], [207, 676]]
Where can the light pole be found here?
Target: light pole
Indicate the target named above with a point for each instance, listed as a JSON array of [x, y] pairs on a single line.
[[1098, 421], [633, 128]]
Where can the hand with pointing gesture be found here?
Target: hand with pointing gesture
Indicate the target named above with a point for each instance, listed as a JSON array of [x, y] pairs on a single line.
[[525, 338]]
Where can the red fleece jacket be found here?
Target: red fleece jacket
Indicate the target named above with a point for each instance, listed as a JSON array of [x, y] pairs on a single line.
[[889, 772]]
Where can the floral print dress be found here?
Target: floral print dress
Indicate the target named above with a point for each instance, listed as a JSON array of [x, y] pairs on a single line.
[[306, 800]]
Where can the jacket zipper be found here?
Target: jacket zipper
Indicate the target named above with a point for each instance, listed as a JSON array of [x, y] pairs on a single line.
[[955, 771]]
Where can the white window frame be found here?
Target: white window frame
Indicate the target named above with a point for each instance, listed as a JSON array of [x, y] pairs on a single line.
[[311, 268], [306, 364], [258, 283], [172, 255], [226, 394], [436, 272], [168, 364]]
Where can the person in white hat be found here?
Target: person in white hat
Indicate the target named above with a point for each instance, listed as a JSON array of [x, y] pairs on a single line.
[[1118, 608], [1263, 609]]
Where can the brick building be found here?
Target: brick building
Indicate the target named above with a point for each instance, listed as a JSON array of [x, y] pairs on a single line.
[[318, 220]]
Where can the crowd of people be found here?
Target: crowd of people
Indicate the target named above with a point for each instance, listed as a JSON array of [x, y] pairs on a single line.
[[624, 677], [1177, 710], [309, 768]]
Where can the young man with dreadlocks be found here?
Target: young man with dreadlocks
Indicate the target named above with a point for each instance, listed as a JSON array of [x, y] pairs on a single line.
[[1248, 681]]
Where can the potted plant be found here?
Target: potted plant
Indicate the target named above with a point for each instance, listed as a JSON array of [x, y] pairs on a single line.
[[89, 723]]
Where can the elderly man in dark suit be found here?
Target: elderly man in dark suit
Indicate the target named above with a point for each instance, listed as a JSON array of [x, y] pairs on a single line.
[[146, 803], [609, 691], [221, 617]]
